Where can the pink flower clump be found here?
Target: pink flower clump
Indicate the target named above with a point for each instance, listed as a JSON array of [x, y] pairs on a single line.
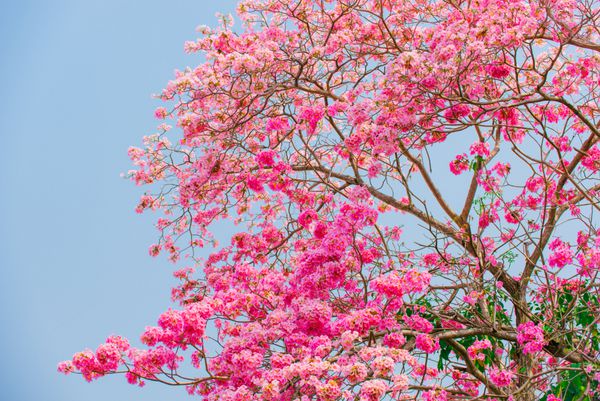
[[592, 160], [266, 158], [435, 395], [427, 343], [561, 253], [481, 149], [531, 337], [498, 71], [418, 323], [396, 284], [459, 164], [501, 378], [394, 340], [312, 115], [92, 365], [373, 390], [474, 350]]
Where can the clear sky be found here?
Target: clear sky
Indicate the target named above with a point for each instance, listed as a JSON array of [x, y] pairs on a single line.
[[76, 82]]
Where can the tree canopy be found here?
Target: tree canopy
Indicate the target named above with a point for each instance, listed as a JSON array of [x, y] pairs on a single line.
[[410, 190]]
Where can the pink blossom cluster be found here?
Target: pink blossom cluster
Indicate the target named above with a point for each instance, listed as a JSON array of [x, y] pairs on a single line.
[[561, 253], [501, 377], [92, 365], [373, 390], [427, 343], [531, 337], [459, 164], [475, 350]]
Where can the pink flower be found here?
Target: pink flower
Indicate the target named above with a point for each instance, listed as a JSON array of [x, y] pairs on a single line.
[[108, 357], [456, 112], [312, 316], [373, 390], [320, 230], [171, 320], [374, 169], [592, 160], [353, 143], [513, 135], [471, 298], [307, 217], [501, 378], [86, 363], [154, 250], [66, 367], [266, 158], [356, 372], [329, 391], [277, 124], [254, 184], [382, 366], [347, 339], [513, 216], [531, 337], [561, 254], [394, 340], [160, 113], [435, 395], [498, 71], [590, 261], [400, 383], [418, 323], [481, 149], [459, 164], [562, 142], [502, 169], [396, 284], [312, 115], [429, 82], [426, 343], [484, 219], [452, 324], [475, 349]]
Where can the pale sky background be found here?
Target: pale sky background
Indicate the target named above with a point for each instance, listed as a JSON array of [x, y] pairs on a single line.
[[76, 82]]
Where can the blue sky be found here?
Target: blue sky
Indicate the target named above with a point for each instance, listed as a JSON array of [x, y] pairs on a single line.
[[76, 80]]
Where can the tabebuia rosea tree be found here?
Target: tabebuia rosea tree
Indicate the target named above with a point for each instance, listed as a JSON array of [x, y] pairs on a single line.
[[410, 190]]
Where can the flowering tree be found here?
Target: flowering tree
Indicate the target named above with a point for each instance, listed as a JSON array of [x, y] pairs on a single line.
[[412, 191]]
